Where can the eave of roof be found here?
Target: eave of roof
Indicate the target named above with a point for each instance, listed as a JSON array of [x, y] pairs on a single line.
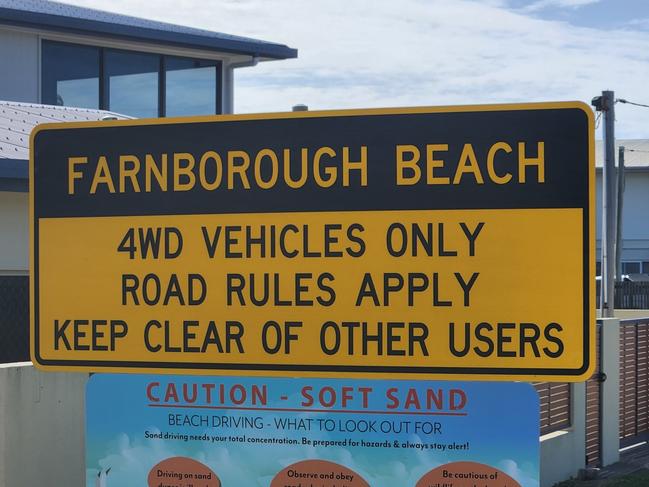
[[192, 38]]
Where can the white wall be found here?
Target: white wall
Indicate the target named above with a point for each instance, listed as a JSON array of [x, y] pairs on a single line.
[[14, 232], [42, 427], [635, 223], [563, 453], [610, 400], [20, 70], [635, 217]]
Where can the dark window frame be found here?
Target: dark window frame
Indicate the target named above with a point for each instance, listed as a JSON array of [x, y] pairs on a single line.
[[104, 102], [162, 87]]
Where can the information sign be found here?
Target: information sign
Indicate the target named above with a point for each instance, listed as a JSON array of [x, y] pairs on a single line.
[[184, 431], [447, 242]]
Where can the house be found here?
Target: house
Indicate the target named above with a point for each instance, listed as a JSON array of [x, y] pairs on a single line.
[[635, 223], [72, 56], [68, 63]]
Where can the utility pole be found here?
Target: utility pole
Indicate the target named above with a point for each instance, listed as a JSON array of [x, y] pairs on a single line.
[[606, 105], [620, 206]]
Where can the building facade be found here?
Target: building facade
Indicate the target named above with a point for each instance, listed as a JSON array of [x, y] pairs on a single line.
[[66, 63], [58, 54], [635, 214]]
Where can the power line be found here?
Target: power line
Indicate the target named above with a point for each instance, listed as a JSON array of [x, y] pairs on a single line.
[[622, 100]]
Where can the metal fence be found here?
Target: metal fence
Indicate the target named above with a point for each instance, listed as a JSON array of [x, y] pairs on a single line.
[[594, 407], [554, 398], [628, 295], [14, 319], [556, 407], [634, 385], [633, 392]]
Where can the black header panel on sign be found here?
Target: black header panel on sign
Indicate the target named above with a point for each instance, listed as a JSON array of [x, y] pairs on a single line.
[[460, 160]]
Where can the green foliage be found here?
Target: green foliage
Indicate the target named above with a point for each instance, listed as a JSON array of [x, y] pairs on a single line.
[[570, 483], [637, 479]]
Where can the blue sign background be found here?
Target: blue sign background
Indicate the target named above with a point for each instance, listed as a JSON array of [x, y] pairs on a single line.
[[491, 423]]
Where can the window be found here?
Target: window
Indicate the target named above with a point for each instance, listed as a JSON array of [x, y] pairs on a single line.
[[631, 267], [70, 75], [14, 319], [635, 267], [190, 87], [133, 83]]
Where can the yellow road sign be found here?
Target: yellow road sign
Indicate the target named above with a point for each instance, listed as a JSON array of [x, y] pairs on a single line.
[[442, 242]]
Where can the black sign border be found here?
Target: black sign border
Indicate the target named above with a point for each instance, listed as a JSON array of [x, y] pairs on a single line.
[[501, 373]]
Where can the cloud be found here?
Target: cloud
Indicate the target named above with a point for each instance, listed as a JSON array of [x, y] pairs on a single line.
[[377, 53], [572, 4], [525, 477], [643, 23]]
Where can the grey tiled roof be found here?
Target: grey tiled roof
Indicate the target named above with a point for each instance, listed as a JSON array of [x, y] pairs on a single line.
[[18, 119]]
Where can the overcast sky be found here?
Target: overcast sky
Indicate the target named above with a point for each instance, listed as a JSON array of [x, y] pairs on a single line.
[[376, 53]]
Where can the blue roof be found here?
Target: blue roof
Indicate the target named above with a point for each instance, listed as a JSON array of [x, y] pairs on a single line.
[[47, 15]]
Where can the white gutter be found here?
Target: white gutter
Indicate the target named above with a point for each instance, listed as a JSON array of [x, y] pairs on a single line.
[[228, 81]]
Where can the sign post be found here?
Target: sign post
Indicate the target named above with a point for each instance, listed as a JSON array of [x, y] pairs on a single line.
[[452, 242]]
